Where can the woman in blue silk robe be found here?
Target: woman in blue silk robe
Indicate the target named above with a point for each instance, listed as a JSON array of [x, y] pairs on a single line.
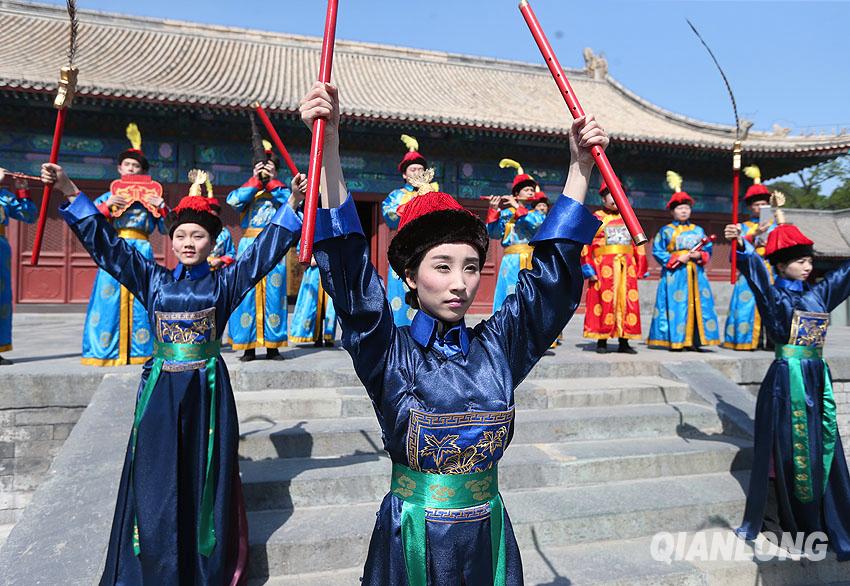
[[116, 329], [179, 517], [684, 315], [261, 319], [799, 480], [13, 206], [396, 289], [514, 227], [312, 303], [743, 330], [444, 393]]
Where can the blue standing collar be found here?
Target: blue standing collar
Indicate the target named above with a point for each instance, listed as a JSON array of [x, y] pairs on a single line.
[[424, 330], [194, 273]]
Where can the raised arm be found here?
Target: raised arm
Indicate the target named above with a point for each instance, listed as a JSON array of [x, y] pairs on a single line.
[[241, 197], [389, 208], [752, 266], [111, 253], [547, 296], [267, 250], [835, 286], [342, 254]]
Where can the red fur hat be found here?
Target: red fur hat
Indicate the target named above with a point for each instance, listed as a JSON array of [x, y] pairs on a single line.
[[412, 156], [429, 220], [679, 198], [757, 192], [786, 242], [196, 209]]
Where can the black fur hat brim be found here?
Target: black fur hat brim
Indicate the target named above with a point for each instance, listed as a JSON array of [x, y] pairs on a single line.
[[785, 255], [130, 154], [422, 234], [211, 223]]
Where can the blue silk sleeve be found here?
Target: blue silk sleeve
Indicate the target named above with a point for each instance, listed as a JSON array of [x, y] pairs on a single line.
[[240, 197], [23, 210], [659, 247], [342, 254], [111, 253], [389, 209], [546, 296], [264, 254], [834, 287], [751, 265]]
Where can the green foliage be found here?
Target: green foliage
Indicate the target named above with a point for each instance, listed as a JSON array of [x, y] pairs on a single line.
[[805, 191]]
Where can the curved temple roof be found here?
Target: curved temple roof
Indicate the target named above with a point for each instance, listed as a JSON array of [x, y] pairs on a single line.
[[182, 63]]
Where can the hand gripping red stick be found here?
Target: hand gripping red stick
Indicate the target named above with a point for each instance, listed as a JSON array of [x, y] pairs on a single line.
[[276, 139], [317, 146], [576, 110], [698, 247], [736, 190]]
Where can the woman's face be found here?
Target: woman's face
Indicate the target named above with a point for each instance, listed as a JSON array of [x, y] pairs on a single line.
[[446, 280], [191, 244], [798, 269], [412, 171], [682, 212]]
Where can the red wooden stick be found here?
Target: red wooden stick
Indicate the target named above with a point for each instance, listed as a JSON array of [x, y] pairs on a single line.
[[45, 197], [602, 163], [736, 190], [276, 139], [317, 146]]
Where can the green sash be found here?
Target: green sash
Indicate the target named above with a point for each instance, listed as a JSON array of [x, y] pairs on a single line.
[[794, 354], [419, 490], [162, 352]]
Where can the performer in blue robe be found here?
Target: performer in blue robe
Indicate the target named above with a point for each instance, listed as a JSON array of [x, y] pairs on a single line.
[[411, 164], [515, 228], [261, 320], [684, 315], [514, 223], [799, 480], [116, 330], [179, 517], [444, 393], [13, 206], [314, 318], [743, 330]]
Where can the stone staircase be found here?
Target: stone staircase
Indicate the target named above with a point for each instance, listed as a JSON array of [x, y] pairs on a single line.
[[596, 467]]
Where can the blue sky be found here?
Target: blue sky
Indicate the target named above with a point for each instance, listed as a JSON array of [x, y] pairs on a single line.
[[787, 61]]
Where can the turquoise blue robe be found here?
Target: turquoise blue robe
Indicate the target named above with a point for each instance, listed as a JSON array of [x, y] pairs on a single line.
[[514, 229], [224, 248], [260, 320], [684, 313], [24, 210], [396, 289], [116, 330], [303, 327], [743, 323]]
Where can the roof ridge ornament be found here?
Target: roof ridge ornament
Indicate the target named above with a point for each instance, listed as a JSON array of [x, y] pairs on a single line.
[[595, 65]]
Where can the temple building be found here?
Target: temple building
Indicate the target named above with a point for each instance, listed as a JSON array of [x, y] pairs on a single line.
[[189, 86]]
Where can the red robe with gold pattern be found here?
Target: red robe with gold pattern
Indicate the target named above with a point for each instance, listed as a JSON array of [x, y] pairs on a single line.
[[613, 306]]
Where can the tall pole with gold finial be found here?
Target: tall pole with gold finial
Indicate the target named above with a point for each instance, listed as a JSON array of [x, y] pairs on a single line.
[[64, 98]]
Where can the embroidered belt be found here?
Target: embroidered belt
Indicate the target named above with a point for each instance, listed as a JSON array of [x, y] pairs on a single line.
[[613, 249], [2, 231], [132, 234], [206, 355], [420, 490], [251, 232], [526, 250], [794, 354]]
